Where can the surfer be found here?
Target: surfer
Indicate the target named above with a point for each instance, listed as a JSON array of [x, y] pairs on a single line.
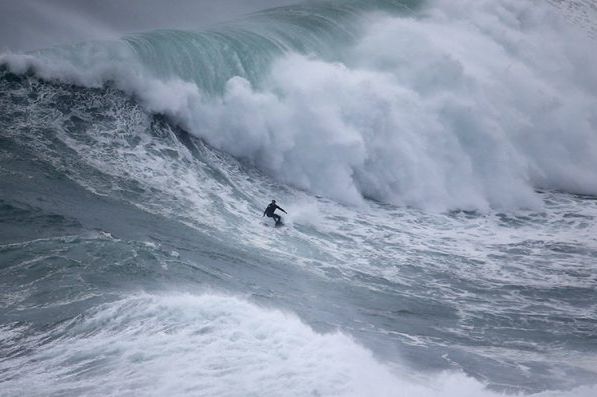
[[271, 208]]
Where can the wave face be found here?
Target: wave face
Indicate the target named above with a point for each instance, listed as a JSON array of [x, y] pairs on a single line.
[[133, 174]]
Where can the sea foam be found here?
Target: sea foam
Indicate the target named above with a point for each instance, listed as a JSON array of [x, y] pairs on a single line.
[[213, 345], [464, 105]]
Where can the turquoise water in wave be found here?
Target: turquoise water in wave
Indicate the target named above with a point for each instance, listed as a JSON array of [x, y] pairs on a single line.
[[441, 228]]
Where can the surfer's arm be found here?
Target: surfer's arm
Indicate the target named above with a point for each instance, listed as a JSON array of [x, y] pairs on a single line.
[[282, 209]]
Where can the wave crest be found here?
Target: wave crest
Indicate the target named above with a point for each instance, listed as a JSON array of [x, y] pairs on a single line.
[[462, 107]]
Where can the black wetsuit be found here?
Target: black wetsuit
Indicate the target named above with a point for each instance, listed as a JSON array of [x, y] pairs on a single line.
[[269, 211]]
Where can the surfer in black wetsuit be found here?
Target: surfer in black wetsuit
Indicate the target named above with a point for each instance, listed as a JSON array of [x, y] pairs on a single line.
[[271, 208]]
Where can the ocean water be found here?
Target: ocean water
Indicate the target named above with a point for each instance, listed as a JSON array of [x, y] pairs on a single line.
[[438, 163]]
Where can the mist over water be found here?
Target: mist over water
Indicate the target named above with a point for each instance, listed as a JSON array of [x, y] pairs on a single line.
[[438, 164], [36, 24], [475, 109]]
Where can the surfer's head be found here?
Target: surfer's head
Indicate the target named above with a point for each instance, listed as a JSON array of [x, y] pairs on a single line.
[[273, 201]]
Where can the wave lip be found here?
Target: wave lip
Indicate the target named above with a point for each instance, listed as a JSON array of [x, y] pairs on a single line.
[[460, 105]]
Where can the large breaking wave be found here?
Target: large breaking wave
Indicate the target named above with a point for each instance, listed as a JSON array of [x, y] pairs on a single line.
[[134, 258], [441, 105]]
